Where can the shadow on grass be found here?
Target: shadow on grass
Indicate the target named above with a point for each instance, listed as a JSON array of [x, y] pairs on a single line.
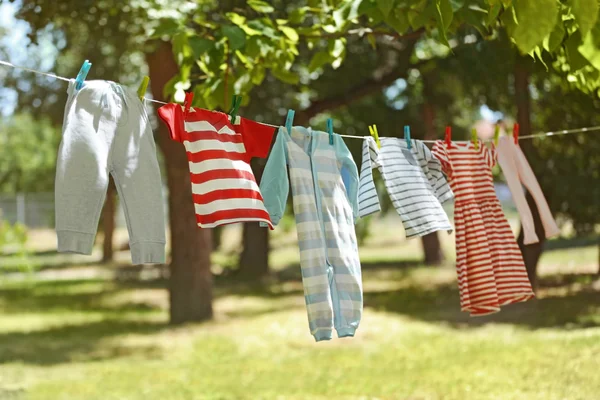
[[72, 295], [81, 342], [572, 309]]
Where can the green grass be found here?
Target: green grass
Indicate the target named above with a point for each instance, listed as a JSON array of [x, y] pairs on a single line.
[[94, 339]]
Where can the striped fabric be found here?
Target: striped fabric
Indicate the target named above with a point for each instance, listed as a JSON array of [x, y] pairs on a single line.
[[224, 189], [490, 268], [413, 179], [324, 181]]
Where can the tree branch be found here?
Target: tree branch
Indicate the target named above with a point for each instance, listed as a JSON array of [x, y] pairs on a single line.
[[366, 31], [356, 93]]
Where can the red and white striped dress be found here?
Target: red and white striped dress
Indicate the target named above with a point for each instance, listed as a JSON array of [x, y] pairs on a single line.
[[489, 264], [224, 188]]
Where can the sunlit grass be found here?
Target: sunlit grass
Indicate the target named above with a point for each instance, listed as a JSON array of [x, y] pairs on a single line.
[[106, 340]]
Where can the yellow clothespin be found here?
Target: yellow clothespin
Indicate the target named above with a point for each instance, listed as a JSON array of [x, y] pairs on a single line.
[[143, 87], [474, 138], [373, 130], [496, 135]]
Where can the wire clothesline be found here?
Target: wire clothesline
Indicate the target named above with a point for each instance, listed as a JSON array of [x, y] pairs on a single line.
[[543, 134]]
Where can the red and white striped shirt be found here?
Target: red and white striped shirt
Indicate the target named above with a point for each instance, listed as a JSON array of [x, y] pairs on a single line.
[[223, 185]]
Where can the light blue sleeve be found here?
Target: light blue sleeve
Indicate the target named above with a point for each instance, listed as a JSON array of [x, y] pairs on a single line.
[[349, 173], [274, 184]]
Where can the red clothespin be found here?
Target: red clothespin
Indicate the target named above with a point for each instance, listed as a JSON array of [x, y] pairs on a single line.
[[516, 134], [448, 136], [187, 103]]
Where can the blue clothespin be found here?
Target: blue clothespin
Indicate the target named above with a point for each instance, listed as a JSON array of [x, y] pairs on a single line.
[[85, 68], [289, 121], [330, 130], [407, 136]]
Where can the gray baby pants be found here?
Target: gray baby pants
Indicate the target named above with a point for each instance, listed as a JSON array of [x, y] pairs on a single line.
[[106, 131]]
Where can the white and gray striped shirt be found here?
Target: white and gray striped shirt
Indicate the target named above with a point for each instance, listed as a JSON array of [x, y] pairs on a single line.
[[414, 181]]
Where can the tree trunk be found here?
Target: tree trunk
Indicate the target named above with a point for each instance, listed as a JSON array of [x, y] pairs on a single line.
[[432, 248], [190, 285], [531, 253], [108, 222], [254, 259]]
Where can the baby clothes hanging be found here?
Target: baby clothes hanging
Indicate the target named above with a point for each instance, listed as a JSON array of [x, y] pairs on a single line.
[[223, 185], [414, 181], [106, 131], [490, 268], [516, 169], [324, 181]]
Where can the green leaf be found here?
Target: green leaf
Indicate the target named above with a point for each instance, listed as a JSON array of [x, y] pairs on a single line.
[[290, 33], [576, 60], [536, 20], [318, 60], [493, 13], [538, 52], [556, 37], [372, 41], [285, 75], [296, 16], [457, 4], [236, 36], [585, 13], [200, 45], [398, 20], [261, 6], [337, 47], [181, 48], [236, 18], [385, 6], [166, 27], [443, 17], [590, 48], [346, 13]]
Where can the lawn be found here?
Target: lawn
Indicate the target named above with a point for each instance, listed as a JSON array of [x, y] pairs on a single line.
[[87, 335]]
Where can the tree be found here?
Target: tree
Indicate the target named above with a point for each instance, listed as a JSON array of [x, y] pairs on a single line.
[[224, 47]]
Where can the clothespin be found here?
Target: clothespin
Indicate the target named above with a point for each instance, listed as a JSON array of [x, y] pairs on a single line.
[[289, 121], [448, 136], [496, 134], [373, 131], [330, 130], [407, 136], [187, 103], [143, 87], [85, 68], [235, 105], [516, 134], [474, 138]]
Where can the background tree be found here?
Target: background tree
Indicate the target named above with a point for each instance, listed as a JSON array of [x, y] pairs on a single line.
[[216, 49]]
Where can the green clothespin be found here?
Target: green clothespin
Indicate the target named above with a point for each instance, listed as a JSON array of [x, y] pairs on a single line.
[[496, 135], [373, 131], [330, 130], [474, 138], [407, 136], [143, 87], [235, 105]]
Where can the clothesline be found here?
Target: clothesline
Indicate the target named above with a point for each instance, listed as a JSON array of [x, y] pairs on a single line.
[[544, 134]]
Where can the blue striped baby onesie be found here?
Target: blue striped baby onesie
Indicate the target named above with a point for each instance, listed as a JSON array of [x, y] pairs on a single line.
[[324, 180]]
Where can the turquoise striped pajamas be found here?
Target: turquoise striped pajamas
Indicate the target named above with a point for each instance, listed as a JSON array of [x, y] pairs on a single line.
[[324, 180]]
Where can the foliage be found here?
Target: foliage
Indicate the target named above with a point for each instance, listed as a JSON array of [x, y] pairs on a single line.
[[28, 146], [14, 238]]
